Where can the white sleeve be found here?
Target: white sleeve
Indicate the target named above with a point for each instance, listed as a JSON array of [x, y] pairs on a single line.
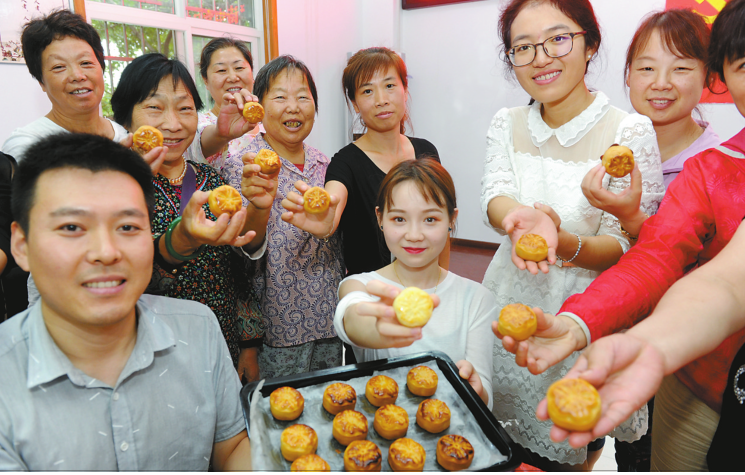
[[17, 144], [636, 132], [481, 338], [350, 299], [257, 254], [499, 177]]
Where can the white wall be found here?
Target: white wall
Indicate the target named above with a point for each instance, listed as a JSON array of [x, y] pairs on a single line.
[[21, 98], [458, 83]]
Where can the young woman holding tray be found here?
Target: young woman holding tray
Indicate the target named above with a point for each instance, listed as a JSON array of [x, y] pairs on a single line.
[[416, 211]]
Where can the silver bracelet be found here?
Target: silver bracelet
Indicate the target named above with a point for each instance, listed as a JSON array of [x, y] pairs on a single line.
[[326, 237], [579, 246]]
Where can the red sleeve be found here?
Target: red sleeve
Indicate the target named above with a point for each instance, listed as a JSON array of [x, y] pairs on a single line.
[[668, 247]]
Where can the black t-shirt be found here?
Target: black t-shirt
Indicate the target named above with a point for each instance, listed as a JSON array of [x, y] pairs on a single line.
[[364, 246], [724, 454]]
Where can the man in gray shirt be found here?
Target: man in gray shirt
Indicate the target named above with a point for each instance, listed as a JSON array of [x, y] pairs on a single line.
[[96, 376]]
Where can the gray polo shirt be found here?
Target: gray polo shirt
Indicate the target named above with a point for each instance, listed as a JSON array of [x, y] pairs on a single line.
[[177, 395]]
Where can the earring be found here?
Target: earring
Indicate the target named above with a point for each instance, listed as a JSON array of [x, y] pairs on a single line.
[[450, 230], [381, 227]]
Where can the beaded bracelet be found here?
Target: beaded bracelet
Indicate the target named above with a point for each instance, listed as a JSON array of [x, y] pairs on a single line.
[[169, 245], [579, 246]]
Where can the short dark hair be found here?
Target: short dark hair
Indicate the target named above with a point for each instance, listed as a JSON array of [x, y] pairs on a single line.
[[218, 44], [727, 41], [579, 11], [140, 80], [76, 151], [682, 32], [40, 32], [277, 66]]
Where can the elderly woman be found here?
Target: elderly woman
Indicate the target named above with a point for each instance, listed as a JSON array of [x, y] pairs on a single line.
[[193, 255], [65, 55], [298, 276], [226, 66]]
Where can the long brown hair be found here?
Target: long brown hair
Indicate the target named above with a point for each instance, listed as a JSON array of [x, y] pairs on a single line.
[[363, 65], [682, 32]]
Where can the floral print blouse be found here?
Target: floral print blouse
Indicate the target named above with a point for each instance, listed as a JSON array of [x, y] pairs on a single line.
[[216, 278]]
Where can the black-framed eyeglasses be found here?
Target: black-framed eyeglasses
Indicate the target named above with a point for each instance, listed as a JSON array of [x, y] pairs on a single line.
[[554, 47]]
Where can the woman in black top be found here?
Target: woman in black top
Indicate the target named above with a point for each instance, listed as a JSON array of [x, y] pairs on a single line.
[[375, 84]]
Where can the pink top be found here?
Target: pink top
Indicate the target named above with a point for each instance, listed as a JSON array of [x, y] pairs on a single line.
[[673, 166]]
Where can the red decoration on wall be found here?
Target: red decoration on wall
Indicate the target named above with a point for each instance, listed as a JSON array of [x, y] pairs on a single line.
[[709, 9], [409, 4]]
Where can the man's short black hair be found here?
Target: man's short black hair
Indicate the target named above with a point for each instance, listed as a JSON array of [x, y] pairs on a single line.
[[277, 66], [727, 42], [40, 32], [75, 151], [140, 80]]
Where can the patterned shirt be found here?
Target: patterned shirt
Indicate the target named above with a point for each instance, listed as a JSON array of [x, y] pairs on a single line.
[[215, 278], [176, 396], [299, 274]]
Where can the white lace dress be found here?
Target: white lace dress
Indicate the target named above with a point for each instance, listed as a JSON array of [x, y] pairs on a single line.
[[529, 162]]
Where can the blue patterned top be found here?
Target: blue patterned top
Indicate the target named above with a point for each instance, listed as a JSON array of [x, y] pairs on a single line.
[[299, 275]]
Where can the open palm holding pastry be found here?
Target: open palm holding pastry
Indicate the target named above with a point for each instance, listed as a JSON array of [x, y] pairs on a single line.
[[624, 205], [531, 220], [231, 122], [318, 224], [555, 338], [258, 188], [197, 229], [626, 372], [154, 157], [383, 330]]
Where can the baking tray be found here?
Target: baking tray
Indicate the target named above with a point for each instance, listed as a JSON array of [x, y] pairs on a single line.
[[466, 406]]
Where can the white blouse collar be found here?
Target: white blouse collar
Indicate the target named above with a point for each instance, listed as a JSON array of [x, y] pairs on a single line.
[[571, 132]]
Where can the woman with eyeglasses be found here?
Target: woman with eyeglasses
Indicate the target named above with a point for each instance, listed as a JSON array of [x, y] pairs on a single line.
[[537, 157]]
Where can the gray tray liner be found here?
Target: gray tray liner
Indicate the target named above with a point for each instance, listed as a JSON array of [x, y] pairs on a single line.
[[266, 430]]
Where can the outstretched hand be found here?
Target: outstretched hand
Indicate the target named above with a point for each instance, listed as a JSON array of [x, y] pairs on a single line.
[[625, 370], [391, 334], [320, 224], [256, 187], [622, 205], [154, 157], [467, 372], [230, 122], [556, 338], [201, 230], [527, 220]]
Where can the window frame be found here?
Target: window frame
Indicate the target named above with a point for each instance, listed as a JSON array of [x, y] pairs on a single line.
[[185, 26]]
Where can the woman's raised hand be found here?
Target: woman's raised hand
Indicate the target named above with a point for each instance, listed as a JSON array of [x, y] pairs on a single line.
[[391, 333], [230, 122], [625, 370], [198, 229], [556, 338], [623, 205], [154, 157], [256, 187], [320, 224], [526, 220]]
